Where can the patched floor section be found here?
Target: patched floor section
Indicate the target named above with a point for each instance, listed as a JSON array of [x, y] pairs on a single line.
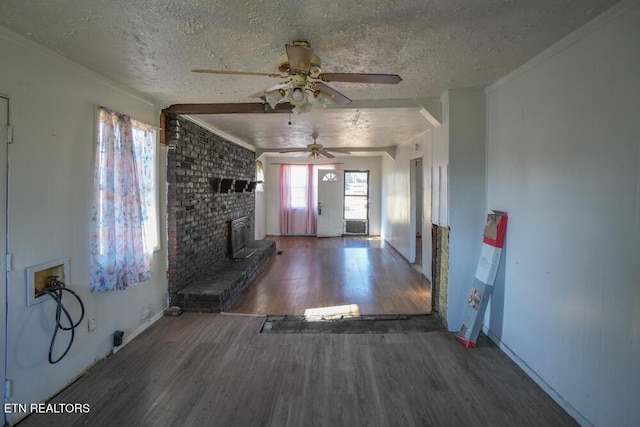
[[366, 324]]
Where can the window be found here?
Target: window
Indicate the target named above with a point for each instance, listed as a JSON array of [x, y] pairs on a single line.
[[298, 187], [125, 224], [330, 177], [144, 142], [356, 195], [259, 176]]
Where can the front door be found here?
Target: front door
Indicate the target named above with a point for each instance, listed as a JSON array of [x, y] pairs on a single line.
[[330, 189]]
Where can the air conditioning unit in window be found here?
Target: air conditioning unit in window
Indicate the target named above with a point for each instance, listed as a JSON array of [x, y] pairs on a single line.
[[356, 226]]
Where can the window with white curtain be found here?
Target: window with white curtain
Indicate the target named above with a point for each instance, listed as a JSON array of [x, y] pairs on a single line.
[[124, 219]]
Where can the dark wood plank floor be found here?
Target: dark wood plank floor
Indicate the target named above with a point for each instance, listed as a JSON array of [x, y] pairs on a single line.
[[218, 370], [325, 272]]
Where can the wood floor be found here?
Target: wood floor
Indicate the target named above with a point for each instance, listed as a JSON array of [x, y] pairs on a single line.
[[312, 273], [219, 370]]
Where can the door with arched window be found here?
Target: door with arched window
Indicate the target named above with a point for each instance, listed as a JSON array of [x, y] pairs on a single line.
[[329, 203]]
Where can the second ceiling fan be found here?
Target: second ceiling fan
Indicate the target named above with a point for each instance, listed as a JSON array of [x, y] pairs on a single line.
[[316, 150], [301, 67]]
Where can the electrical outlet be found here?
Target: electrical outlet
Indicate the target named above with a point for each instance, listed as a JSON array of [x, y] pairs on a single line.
[[92, 324]]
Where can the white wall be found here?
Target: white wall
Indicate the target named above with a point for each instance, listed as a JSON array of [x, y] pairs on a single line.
[[564, 161], [466, 125], [260, 226], [272, 187], [419, 196], [453, 172], [261, 229], [439, 170], [52, 109], [396, 194]]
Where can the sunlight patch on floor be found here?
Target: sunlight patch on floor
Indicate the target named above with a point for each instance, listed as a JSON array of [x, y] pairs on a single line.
[[332, 312]]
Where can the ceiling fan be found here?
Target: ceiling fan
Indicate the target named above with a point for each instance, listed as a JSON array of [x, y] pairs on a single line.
[[301, 67], [316, 150]]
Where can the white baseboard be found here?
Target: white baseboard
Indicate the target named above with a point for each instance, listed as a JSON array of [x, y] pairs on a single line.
[[140, 329], [557, 397]]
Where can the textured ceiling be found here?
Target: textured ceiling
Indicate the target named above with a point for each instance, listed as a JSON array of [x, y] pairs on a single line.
[[434, 45]]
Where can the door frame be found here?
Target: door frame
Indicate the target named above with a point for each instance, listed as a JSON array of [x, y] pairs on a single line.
[[367, 201], [414, 210], [4, 242]]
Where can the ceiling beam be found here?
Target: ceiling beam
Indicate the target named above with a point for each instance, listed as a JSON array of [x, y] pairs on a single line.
[[227, 108], [390, 151], [366, 104], [431, 109]]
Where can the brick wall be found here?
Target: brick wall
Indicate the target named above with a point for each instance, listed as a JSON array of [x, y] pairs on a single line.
[[440, 271], [197, 215]]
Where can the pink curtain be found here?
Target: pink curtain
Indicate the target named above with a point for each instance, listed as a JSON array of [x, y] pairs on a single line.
[[312, 202], [299, 198], [285, 198]]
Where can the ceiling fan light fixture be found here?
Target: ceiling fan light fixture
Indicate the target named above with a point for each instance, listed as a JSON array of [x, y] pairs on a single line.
[[323, 98], [297, 95], [315, 71], [303, 107], [274, 98]]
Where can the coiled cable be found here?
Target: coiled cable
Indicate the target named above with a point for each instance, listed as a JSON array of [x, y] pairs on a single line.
[[55, 290]]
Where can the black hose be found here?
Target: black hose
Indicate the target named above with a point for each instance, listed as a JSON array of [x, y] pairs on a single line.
[[55, 291]]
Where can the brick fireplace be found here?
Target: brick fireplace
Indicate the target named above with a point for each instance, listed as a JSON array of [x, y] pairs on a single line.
[[209, 185]]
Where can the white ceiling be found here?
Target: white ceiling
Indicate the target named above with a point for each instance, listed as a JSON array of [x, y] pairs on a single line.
[[434, 45]]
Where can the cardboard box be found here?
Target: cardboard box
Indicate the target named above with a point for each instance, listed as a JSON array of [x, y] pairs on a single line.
[[474, 312], [488, 264], [495, 229], [492, 243]]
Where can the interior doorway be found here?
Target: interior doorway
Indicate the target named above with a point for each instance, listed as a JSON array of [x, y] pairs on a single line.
[[416, 184], [356, 202]]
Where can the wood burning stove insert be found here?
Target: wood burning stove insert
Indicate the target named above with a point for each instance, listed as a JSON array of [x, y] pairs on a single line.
[[236, 239]]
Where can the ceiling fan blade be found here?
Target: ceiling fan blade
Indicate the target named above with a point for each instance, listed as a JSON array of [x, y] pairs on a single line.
[[240, 73], [269, 89], [293, 150], [299, 58], [388, 79], [326, 154], [337, 97]]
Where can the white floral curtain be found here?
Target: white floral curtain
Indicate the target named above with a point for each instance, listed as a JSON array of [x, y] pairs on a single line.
[[119, 257]]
